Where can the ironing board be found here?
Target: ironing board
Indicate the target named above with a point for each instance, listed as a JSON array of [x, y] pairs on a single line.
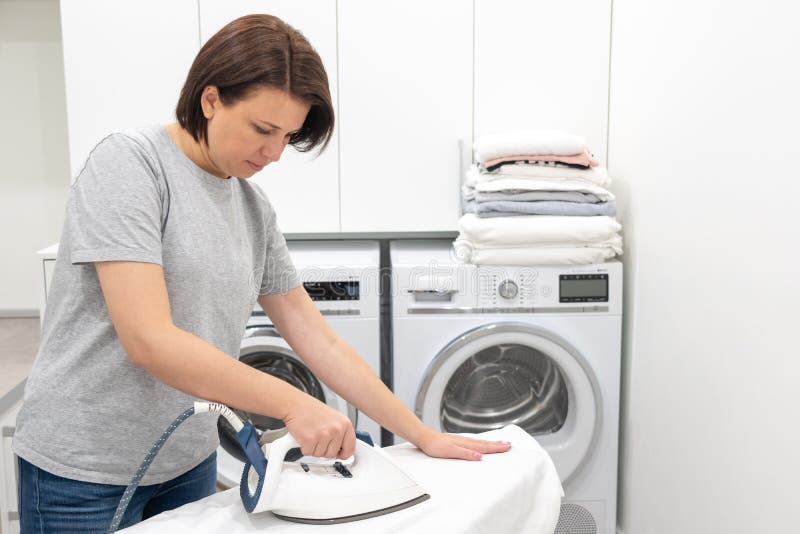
[[517, 491]]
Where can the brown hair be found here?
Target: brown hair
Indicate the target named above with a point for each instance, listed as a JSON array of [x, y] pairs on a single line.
[[256, 51]]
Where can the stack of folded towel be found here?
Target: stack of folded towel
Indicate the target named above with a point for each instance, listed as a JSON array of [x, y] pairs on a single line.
[[536, 197]]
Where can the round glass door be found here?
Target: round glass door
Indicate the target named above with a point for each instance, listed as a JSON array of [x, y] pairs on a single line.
[[506, 383], [513, 373]]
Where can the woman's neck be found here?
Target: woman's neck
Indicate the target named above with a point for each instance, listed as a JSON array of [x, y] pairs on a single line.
[[197, 152]]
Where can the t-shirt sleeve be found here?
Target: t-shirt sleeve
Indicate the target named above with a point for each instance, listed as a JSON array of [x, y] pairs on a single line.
[[279, 273], [114, 212]]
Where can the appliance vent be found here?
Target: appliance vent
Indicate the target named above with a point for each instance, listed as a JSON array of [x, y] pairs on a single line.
[[575, 519]]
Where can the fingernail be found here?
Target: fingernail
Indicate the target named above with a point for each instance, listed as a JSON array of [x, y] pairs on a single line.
[[478, 456]]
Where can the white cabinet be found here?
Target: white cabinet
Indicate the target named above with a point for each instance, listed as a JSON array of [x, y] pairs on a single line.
[[543, 65], [303, 187], [406, 79], [405, 102], [124, 65]]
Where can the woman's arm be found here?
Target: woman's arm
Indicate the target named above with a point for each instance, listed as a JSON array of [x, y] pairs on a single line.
[[338, 364], [137, 300]]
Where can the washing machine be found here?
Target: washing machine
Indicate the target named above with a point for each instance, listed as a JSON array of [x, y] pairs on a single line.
[[480, 347], [342, 278]]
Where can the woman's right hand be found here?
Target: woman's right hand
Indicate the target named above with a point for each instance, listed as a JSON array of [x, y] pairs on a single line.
[[319, 429]]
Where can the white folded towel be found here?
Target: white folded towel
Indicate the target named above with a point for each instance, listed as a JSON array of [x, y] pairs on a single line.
[[556, 230], [466, 252], [531, 142], [595, 175]]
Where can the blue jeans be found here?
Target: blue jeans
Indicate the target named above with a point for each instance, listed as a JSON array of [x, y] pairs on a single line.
[[52, 504]]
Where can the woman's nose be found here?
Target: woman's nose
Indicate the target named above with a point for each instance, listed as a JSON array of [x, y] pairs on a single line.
[[273, 150]]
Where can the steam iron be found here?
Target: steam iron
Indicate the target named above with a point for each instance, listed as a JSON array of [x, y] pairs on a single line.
[[305, 489], [308, 489]]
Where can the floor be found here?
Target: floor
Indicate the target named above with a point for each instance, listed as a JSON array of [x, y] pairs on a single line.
[[19, 343]]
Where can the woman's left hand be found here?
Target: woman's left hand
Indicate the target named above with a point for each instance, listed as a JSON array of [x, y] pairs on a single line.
[[441, 445]]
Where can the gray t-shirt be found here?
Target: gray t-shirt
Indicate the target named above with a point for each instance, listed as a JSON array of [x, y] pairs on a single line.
[[89, 413]]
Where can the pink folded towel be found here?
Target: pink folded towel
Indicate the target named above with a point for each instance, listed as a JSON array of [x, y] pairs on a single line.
[[584, 158]]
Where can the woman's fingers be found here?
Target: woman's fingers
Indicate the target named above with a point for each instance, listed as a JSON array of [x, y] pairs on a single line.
[[319, 429], [483, 446], [348, 447], [441, 445], [464, 453]]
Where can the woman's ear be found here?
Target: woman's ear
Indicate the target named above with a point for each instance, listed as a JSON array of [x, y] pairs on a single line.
[[210, 101]]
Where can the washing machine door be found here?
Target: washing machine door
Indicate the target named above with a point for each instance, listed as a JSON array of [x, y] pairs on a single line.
[[515, 373]]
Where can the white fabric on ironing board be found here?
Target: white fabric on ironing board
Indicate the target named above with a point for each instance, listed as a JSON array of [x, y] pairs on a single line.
[[518, 491], [466, 252], [527, 230], [549, 142]]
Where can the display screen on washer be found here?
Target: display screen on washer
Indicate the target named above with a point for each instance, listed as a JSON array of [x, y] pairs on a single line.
[[583, 288], [346, 290]]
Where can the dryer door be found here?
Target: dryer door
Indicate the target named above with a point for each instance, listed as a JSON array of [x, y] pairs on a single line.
[[515, 373]]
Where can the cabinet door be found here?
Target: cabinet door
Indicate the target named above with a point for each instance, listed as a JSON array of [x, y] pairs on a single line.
[[405, 82], [543, 65], [303, 187], [124, 65]]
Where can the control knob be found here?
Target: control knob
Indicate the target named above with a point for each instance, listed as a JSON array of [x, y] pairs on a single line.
[[508, 289]]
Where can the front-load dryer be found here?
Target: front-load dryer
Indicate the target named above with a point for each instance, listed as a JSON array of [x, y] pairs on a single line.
[[480, 347], [341, 277]]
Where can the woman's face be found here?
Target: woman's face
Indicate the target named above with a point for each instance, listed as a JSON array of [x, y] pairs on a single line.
[[248, 135]]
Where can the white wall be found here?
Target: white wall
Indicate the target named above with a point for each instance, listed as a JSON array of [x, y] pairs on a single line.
[[704, 119], [34, 173]]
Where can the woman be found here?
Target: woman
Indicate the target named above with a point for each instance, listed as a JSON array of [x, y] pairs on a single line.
[[166, 248]]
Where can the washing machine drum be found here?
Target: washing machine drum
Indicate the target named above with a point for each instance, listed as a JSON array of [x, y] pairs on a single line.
[[502, 384], [279, 363]]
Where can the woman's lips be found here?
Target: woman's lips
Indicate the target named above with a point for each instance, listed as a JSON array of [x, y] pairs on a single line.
[[255, 166]]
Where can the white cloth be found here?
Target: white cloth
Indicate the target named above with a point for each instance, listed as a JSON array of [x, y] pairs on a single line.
[[517, 491], [594, 175], [547, 230], [477, 181], [466, 252], [531, 142]]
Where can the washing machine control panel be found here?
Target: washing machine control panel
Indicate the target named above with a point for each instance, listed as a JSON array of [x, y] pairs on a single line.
[[527, 287], [328, 290]]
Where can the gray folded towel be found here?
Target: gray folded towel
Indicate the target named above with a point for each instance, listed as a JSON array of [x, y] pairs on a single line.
[[503, 208]]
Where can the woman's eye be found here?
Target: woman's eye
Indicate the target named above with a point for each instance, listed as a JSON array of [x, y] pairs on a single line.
[[263, 131]]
